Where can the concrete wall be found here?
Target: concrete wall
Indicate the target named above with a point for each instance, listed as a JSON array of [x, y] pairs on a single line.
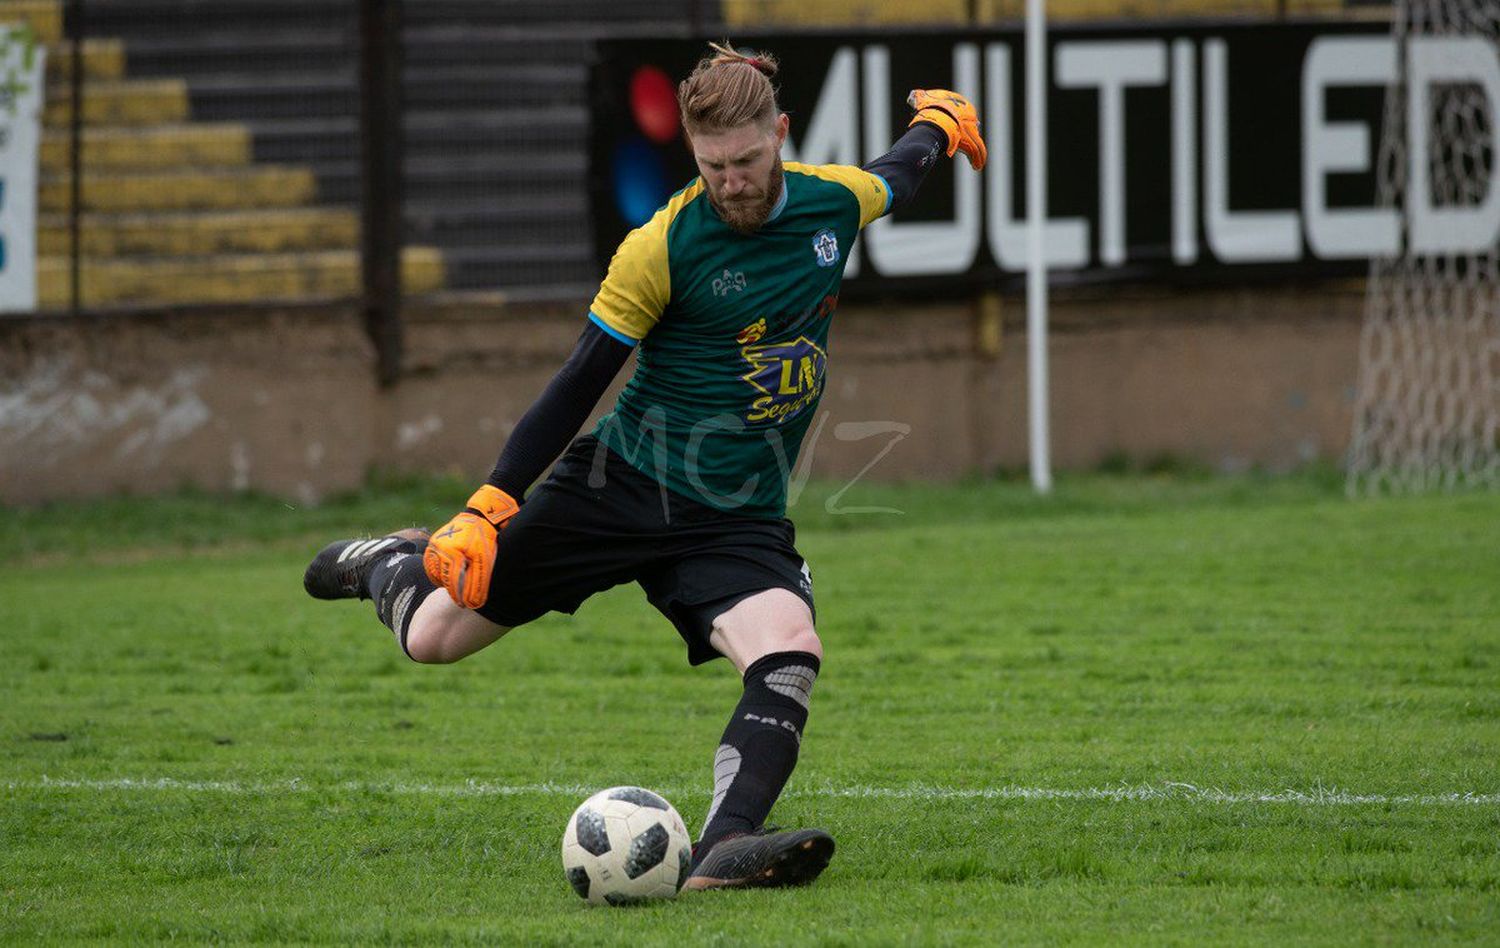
[[284, 402]]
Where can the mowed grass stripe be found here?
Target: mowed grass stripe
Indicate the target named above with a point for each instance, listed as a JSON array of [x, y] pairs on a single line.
[[480, 788]]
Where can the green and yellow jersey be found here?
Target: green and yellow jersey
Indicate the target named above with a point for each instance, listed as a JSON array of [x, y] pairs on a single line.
[[733, 334]]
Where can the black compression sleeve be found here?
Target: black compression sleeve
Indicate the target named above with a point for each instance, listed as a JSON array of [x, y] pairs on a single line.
[[908, 161], [563, 407]]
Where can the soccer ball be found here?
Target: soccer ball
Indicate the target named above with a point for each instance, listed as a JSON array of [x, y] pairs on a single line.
[[624, 845]]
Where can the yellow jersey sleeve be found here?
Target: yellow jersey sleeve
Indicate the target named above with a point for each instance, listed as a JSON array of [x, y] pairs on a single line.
[[635, 291], [870, 189]]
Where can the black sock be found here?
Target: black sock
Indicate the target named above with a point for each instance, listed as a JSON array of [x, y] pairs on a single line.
[[398, 584], [759, 747]]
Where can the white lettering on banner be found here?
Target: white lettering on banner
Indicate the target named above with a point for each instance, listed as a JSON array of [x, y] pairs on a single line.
[[1448, 60], [22, 67], [1329, 147], [1065, 241], [833, 131], [1244, 236], [924, 247], [1111, 68], [1197, 85], [1184, 154]]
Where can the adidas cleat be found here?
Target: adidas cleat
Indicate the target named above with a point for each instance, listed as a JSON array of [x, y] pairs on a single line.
[[763, 860], [342, 569]]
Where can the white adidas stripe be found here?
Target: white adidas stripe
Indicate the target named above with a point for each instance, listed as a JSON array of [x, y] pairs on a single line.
[[1318, 796], [356, 550]]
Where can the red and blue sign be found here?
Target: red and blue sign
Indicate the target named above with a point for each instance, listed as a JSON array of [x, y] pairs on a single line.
[[638, 166]]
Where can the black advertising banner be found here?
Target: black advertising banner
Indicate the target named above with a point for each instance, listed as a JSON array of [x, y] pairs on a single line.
[[1198, 152]]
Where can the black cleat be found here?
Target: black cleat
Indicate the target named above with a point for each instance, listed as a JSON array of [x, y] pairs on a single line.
[[763, 860], [343, 568]]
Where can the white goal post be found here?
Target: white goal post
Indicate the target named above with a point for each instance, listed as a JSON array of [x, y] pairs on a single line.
[[1036, 265], [1427, 404]]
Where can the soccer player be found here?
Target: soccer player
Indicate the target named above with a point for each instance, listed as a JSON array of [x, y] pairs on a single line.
[[725, 296]]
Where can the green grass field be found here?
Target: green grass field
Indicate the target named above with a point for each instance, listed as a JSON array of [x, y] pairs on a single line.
[[1169, 710]]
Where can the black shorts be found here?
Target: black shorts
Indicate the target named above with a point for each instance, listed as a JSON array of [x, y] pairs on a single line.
[[575, 537]]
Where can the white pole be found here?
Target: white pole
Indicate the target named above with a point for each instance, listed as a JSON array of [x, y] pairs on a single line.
[[1036, 265]]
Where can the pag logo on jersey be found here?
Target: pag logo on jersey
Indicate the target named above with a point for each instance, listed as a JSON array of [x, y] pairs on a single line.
[[788, 377]]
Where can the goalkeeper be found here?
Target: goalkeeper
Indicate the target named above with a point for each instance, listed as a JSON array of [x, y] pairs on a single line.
[[726, 296]]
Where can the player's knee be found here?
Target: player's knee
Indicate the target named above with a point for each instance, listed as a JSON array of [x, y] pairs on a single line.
[[424, 644], [802, 638]]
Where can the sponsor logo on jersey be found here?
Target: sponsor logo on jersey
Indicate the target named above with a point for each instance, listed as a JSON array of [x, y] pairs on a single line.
[[826, 247], [727, 281], [788, 377], [754, 332]]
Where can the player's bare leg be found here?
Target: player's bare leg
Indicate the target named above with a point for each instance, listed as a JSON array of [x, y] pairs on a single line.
[[771, 640], [442, 631], [776, 620]]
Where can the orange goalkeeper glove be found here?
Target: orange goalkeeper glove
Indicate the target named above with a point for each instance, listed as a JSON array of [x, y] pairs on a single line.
[[461, 556], [956, 116]]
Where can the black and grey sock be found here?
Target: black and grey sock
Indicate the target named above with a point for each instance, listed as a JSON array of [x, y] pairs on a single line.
[[759, 748], [398, 584]]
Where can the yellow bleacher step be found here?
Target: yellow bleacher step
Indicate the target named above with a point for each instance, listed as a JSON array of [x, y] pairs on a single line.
[[263, 186], [232, 279], [992, 10], [753, 13], [739, 13], [198, 234], [45, 17], [129, 102], [103, 59], [153, 147]]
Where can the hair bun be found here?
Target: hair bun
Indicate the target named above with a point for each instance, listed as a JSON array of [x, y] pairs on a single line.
[[764, 65]]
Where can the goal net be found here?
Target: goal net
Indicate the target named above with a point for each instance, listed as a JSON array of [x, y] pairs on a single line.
[[1427, 407]]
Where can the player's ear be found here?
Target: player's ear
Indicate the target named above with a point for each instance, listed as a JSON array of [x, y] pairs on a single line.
[[783, 126]]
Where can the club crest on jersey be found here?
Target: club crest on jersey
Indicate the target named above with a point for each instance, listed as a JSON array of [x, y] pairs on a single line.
[[787, 378], [729, 281], [826, 247], [752, 333]]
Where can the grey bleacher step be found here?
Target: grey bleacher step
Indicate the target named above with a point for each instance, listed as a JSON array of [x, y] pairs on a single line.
[[146, 16], [145, 19], [215, 52], [297, 95], [490, 266], [543, 85], [534, 221], [439, 44], [508, 135], [285, 141], [511, 209], [457, 178], [464, 127], [222, 98], [565, 12]]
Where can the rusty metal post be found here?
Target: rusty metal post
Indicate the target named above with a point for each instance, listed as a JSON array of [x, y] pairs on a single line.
[[380, 114]]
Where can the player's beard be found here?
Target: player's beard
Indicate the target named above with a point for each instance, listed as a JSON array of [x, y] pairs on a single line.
[[749, 216]]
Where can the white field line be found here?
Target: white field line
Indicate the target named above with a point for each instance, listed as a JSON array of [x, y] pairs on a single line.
[[1317, 796]]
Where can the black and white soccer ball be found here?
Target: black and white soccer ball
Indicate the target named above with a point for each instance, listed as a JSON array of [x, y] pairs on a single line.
[[625, 845]]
